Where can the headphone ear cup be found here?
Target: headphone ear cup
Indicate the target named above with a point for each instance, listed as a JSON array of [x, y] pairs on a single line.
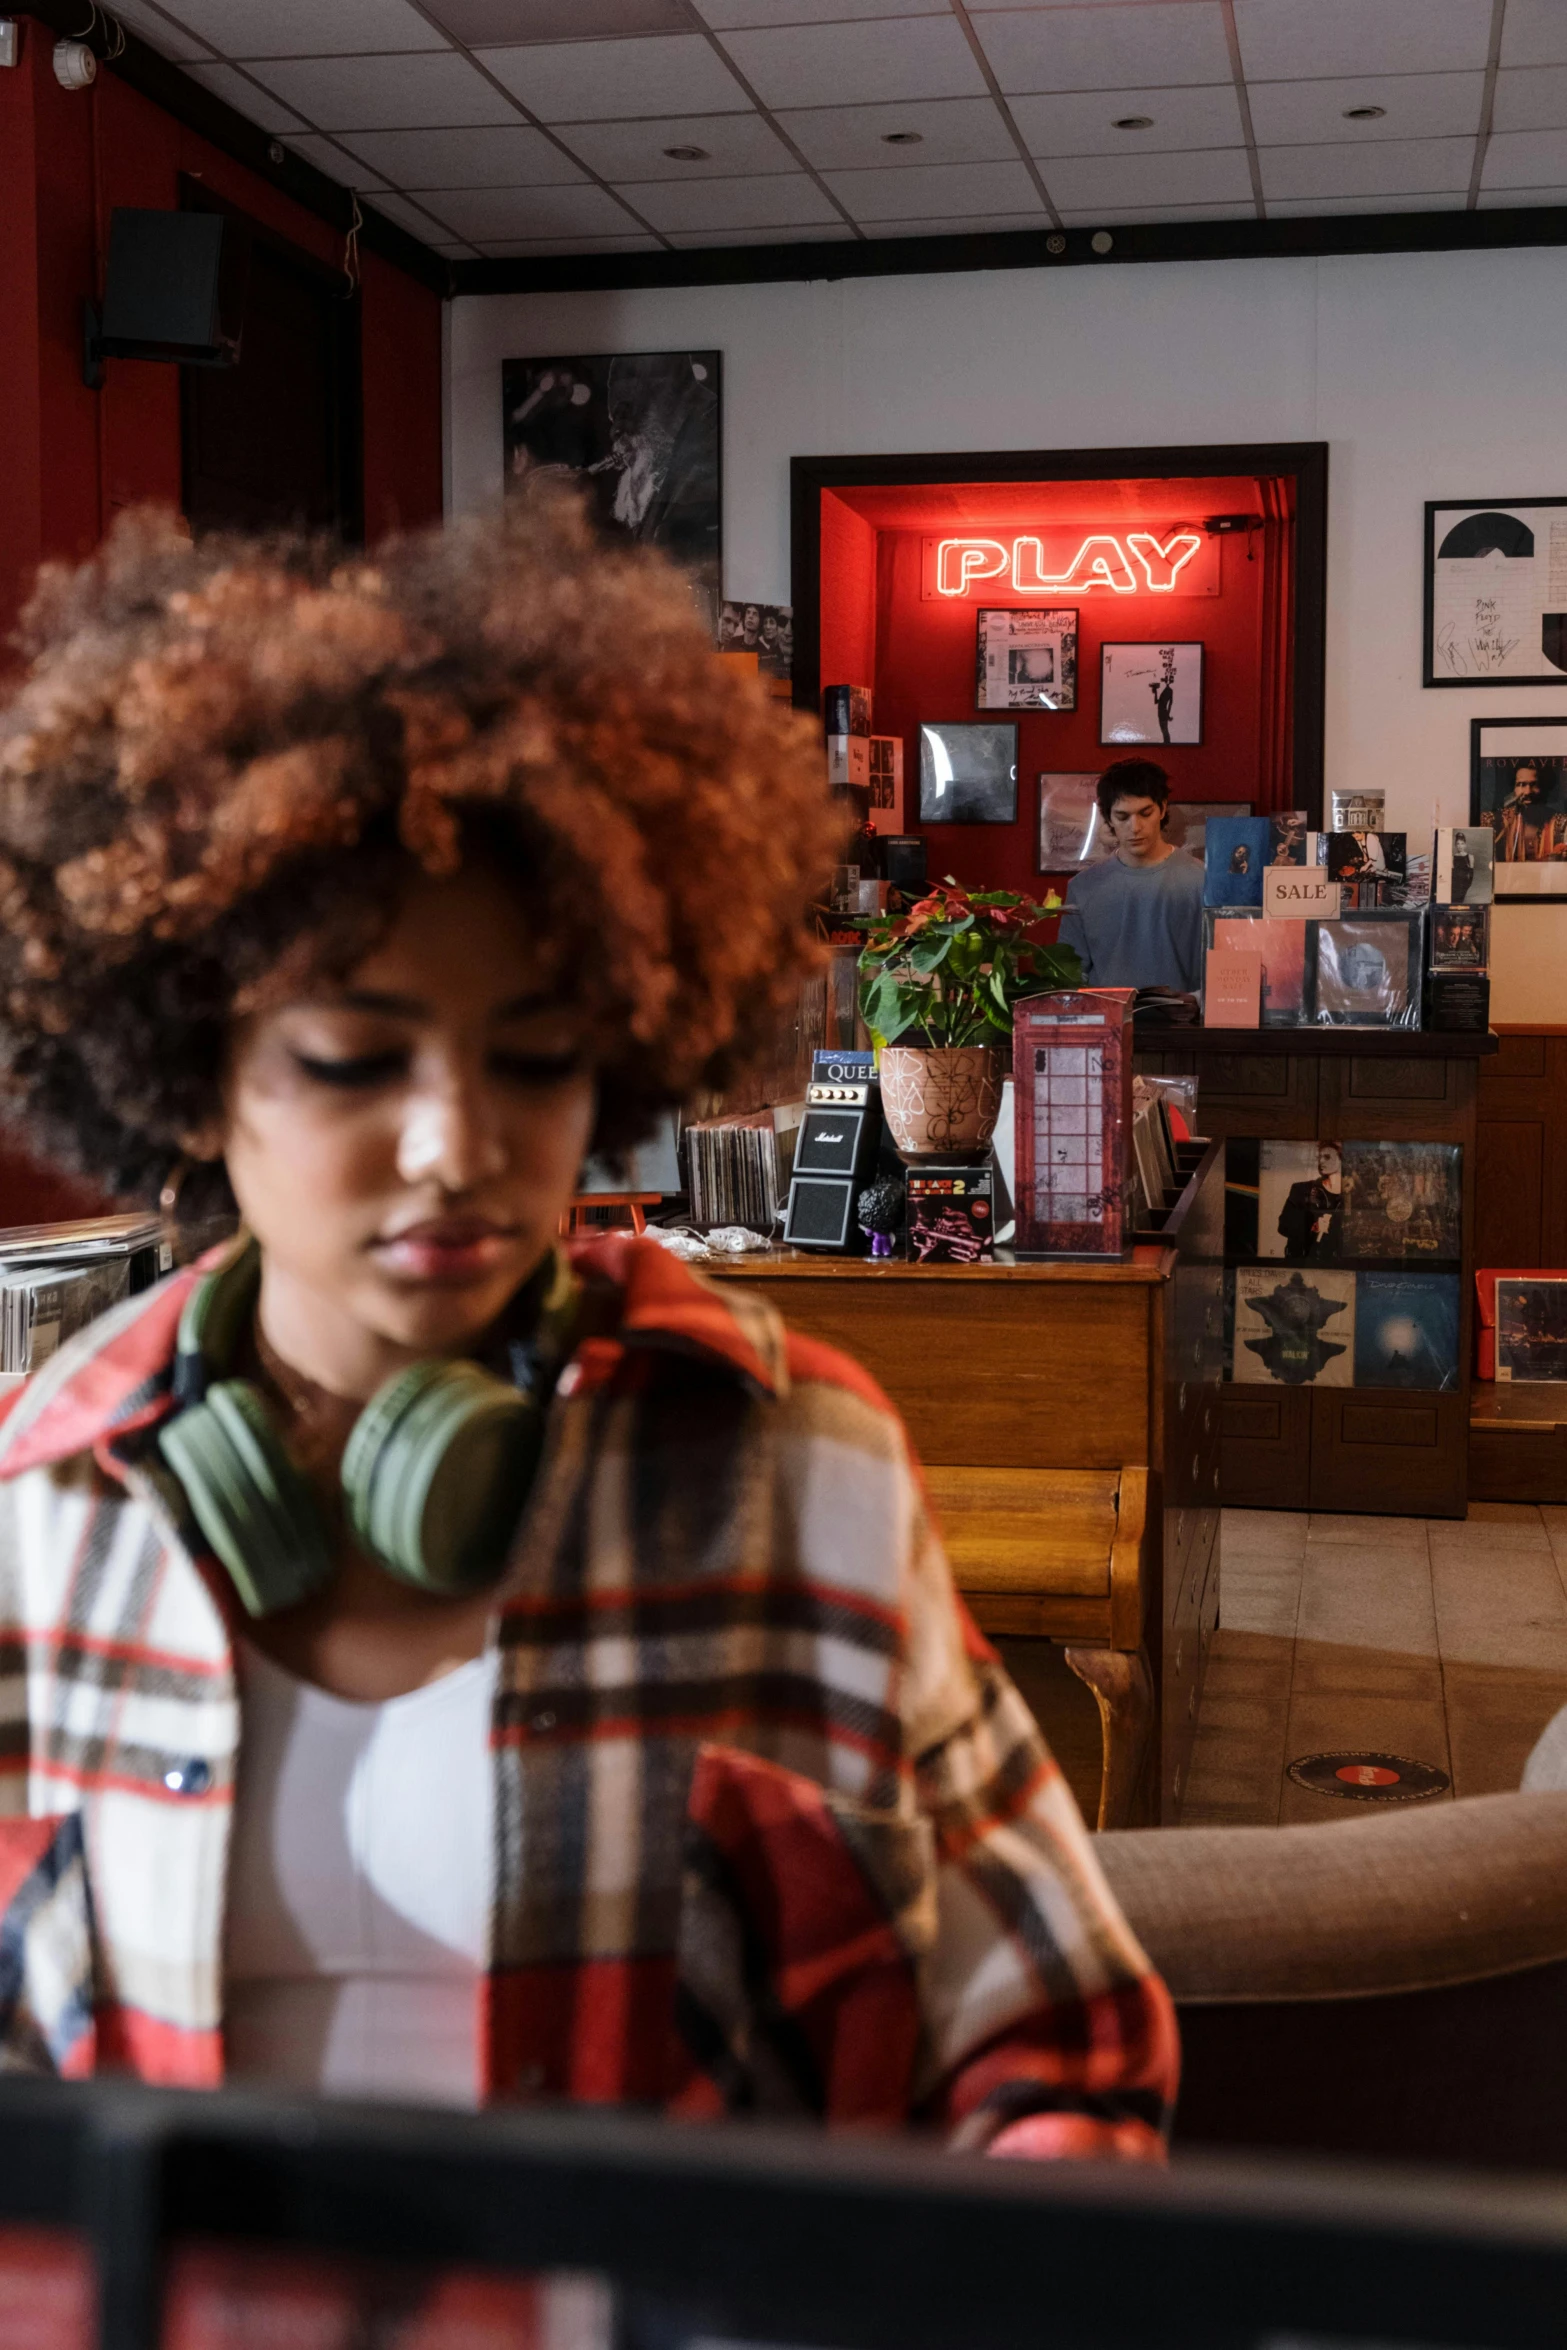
[[249, 1500], [437, 1471]]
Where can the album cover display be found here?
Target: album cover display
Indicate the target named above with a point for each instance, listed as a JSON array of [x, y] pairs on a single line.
[[1406, 1330], [1282, 946], [1300, 1200], [1460, 938], [1293, 1328], [1150, 693], [886, 780], [1365, 856], [1465, 865], [1235, 851], [950, 1213], [968, 774], [1531, 1329], [1402, 1199], [1367, 974], [767, 630], [1186, 822], [1290, 838], [1026, 659], [1458, 1003], [846, 709]]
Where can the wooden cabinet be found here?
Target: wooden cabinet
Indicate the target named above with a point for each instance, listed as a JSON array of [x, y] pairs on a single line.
[[1339, 1448], [1015, 1378], [1518, 1435]]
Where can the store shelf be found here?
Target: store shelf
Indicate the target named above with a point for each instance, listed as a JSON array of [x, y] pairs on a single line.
[[1518, 1441], [1332, 1044]]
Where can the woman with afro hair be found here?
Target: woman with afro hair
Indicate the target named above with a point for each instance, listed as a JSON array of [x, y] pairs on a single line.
[[436, 1662]]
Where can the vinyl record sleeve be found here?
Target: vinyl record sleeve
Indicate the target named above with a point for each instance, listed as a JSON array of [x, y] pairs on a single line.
[[1363, 973], [1300, 1200], [1282, 946], [1404, 1200], [1294, 1328], [1026, 659], [1235, 851], [1406, 1330], [1531, 1329]]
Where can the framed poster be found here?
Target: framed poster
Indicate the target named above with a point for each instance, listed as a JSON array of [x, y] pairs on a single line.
[[1026, 660], [1072, 833], [1496, 592], [1150, 693], [767, 630], [1518, 791], [968, 774], [639, 430]]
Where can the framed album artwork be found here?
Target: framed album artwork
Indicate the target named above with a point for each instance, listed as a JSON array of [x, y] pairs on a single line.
[[1072, 833], [1026, 659], [1518, 791], [1496, 592], [968, 774], [1150, 693]]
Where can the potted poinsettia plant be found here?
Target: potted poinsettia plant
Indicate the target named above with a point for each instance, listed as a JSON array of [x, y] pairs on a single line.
[[937, 987]]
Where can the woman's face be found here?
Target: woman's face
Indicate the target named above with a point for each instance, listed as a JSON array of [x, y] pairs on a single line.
[[402, 1144]]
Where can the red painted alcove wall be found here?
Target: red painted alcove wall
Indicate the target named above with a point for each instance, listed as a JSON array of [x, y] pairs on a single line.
[[918, 653]]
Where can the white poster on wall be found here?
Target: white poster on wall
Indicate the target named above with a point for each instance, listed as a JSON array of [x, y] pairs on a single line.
[[1496, 594], [1150, 694]]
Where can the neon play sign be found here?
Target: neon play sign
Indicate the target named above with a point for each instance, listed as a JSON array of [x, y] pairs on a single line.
[[1127, 563]]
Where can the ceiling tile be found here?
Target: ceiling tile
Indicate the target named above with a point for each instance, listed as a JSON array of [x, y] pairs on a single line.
[[1105, 47], [1328, 207], [815, 234], [984, 224], [164, 33], [1083, 123], [1424, 166], [1526, 159], [523, 248], [486, 23], [413, 217], [386, 93], [335, 161], [1207, 176], [303, 28], [858, 64], [604, 81], [1534, 32], [1506, 199], [1418, 106], [954, 189], [531, 212], [1535, 100], [786, 200], [951, 130], [733, 144], [1281, 39], [498, 156], [1151, 214], [745, 15], [256, 105]]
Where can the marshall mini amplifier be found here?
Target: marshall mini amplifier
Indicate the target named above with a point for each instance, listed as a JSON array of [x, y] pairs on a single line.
[[835, 1153]]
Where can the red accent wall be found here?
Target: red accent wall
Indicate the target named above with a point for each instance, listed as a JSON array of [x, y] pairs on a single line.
[[918, 653], [74, 457]]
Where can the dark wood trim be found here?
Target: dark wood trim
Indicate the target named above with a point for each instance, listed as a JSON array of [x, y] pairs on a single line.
[[1332, 1044], [1181, 240], [234, 135], [1305, 461]]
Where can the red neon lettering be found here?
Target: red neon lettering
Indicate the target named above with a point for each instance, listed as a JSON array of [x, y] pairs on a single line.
[[1162, 563], [962, 562]]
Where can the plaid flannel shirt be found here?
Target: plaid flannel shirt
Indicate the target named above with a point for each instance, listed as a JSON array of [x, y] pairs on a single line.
[[775, 1834]]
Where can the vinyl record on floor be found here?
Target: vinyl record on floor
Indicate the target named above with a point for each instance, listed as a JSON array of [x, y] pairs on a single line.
[[1370, 1778]]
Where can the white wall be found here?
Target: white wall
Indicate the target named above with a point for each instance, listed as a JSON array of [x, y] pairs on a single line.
[[1429, 375]]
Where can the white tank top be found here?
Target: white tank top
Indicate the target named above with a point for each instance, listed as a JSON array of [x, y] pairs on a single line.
[[359, 1886]]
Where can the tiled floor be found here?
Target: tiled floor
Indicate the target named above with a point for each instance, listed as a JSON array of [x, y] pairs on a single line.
[[1424, 1637]]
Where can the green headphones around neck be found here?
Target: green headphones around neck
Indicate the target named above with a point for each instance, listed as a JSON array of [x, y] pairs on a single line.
[[434, 1476]]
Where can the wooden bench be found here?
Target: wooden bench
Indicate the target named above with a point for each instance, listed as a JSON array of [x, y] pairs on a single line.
[[1064, 1555]]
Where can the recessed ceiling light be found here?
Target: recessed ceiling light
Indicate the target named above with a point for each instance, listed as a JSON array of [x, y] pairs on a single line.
[[902, 138], [688, 155], [1133, 122], [1364, 113]]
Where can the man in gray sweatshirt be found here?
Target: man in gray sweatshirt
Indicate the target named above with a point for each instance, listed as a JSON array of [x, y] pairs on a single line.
[[1136, 920]]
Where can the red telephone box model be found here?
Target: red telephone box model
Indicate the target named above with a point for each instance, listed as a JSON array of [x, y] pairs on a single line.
[[1072, 1069]]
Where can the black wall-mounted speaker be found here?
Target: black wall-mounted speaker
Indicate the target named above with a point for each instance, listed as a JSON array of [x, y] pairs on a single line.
[[174, 289]]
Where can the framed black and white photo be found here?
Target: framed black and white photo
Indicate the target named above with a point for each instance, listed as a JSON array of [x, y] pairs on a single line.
[[1518, 791], [639, 430], [1072, 833], [1150, 693], [968, 774], [1026, 659], [1496, 592]]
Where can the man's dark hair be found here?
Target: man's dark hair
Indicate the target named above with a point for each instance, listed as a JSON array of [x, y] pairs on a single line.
[[1132, 779]]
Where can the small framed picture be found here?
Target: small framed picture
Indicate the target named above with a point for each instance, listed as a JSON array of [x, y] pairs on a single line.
[[1518, 791], [1026, 660], [968, 774], [1072, 833], [1494, 604], [1150, 693]]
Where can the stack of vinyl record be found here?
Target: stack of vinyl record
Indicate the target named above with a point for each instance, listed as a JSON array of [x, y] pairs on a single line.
[[734, 1175], [54, 1278]]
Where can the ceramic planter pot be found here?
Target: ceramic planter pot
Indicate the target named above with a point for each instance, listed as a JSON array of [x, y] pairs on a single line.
[[941, 1101]]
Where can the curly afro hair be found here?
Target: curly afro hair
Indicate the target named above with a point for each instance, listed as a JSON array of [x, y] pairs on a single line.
[[224, 756]]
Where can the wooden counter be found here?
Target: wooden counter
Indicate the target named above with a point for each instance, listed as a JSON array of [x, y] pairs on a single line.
[[1341, 1448], [1061, 1366]]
